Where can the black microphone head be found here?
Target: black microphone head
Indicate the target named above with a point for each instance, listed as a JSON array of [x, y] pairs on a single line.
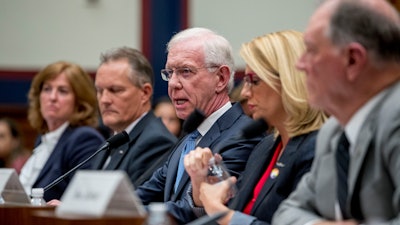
[[193, 121], [254, 128], [118, 139]]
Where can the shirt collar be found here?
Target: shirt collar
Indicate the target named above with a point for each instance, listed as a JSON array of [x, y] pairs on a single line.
[[55, 135], [353, 127], [209, 121], [129, 128]]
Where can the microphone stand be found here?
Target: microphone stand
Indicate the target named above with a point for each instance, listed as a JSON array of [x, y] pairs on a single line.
[[115, 141], [59, 179]]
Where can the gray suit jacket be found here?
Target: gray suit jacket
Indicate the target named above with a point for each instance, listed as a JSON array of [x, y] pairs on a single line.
[[374, 173]]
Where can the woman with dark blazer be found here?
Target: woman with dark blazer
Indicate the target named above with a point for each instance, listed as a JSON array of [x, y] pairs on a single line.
[[276, 92], [63, 109]]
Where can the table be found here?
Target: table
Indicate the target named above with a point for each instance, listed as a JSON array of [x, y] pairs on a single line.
[[45, 217], [20, 214]]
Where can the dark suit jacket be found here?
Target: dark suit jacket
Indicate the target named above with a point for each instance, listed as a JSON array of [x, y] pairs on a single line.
[[75, 145], [374, 177], [160, 187], [149, 142], [294, 162]]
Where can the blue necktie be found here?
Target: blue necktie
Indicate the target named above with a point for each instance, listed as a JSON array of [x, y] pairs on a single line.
[[342, 169], [189, 145]]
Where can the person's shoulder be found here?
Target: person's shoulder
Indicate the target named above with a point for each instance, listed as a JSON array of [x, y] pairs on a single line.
[[153, 128], [154, 124], [384, 117], [266, 142], [267, 139], [235, 113], [390, 104], [84, 131], [305, 142], [309, 136], [329, 128]]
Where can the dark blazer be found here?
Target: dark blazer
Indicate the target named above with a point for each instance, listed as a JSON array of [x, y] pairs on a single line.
[[75, 145], [149, 143], [294, 162], [160, 187]]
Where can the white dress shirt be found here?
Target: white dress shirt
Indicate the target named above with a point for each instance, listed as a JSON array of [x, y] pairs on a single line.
[[32, 168]]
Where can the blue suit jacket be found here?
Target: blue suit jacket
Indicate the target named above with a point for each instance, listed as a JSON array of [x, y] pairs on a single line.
[[75, 145], [149, 145], [160, 187], [294, 162]]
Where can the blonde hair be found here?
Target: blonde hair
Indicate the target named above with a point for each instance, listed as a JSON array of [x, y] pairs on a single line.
[[86, 109], [273, 57]]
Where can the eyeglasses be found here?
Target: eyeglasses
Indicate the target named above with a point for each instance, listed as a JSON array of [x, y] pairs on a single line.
[[251, 79], [184, 72]]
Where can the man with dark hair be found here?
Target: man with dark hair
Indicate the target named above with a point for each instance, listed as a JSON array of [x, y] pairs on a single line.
[[124, 84]]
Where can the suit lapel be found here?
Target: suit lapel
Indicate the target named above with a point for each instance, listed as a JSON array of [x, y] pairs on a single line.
[[54, 155], [206, 141], [357, 157], [100, 159], [279, 166], [249, 180], [327, 141], [364, 140], [173, 163], [209, 140], [118, 154]]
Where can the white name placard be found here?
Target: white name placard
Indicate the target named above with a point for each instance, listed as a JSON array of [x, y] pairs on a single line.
[[11, 189], [100, 193]]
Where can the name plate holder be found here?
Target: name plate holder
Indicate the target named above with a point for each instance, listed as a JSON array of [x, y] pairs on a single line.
[[11, 190], [100, 193]]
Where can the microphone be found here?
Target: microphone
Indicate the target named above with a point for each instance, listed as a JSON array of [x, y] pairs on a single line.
[[216, 169], [255, 128], [251, 130], [112, 142], [193, 121]]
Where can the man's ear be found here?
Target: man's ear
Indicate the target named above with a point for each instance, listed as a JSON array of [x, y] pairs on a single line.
[[357, 57], [224, 75], [147, 91]]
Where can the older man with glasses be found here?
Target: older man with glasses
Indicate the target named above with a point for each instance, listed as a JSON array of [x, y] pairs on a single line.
[[199, 71]]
